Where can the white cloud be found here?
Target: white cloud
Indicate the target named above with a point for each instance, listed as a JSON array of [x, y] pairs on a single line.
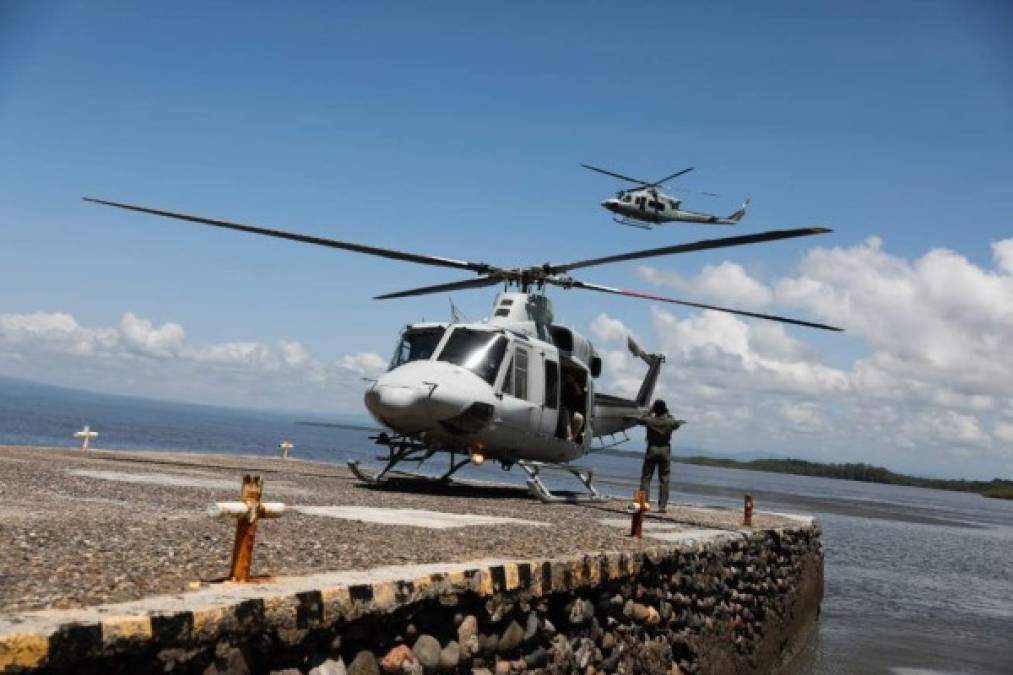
[[609, 330], [140, 335], [57, 331], [939, 320], [137, 356], [1004, 433], [1002, 252], [728, 284], [366, 364], [294, 354], [936, 372]]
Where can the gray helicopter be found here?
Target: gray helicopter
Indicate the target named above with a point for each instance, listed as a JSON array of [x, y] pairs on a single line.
[[646, 205], [516, 388]]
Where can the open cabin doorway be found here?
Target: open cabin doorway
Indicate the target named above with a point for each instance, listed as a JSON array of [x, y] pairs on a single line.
[[574, 402]]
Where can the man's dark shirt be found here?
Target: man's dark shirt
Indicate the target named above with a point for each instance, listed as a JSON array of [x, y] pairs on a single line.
[[659, 429]]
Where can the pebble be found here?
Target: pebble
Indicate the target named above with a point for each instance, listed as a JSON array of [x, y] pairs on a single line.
[[229, 661], [511, 638], [487, 644], [329, 667], [427, 651], [537, 658], [364, 663], [639, 613], [532, 626], [450, 657], [581, 612], [467, 630], [391, 662]]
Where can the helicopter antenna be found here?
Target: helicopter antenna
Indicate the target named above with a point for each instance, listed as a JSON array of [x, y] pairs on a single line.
[[456, 315]]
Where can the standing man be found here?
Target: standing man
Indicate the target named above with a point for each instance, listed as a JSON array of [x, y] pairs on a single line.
[[660, 426]]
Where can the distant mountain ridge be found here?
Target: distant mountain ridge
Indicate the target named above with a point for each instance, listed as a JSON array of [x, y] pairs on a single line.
[[13, 386]]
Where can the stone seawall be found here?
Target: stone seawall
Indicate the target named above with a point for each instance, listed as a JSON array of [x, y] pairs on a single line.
[[706, 602]]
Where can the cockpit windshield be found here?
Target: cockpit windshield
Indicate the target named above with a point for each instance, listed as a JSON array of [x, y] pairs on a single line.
[[479, 351], [417, 344]]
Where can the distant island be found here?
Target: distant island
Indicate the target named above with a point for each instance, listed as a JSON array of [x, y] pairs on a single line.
[[997, 488], [866, 473]]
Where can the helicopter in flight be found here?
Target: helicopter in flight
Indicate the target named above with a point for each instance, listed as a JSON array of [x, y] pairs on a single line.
[[516, 388], [645, 205]]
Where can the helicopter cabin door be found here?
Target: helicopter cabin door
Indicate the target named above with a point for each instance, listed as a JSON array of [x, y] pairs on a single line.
[[521, 398], [550, 395]]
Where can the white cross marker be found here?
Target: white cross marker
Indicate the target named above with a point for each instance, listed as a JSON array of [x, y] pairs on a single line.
[[285, 446], [85, 435]]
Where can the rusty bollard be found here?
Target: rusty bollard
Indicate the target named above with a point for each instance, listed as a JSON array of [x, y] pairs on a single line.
[[639, 508], [747, 511], [246, 513]]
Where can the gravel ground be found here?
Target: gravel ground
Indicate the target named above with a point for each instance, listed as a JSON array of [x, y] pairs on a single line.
[[69, 539]]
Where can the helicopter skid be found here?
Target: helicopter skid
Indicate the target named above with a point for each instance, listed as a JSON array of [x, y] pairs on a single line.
[[542, 492], [373, 478], [403, 449], [633, 223]]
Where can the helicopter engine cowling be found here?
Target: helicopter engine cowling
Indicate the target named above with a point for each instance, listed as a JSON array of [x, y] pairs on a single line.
[[427, 396]]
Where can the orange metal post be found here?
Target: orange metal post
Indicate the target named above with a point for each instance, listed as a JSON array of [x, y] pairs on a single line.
[[747, 511], [246, 529], [639, 507]]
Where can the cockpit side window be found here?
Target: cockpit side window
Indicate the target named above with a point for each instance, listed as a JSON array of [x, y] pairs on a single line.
[[416, 345], [481, 352], [515, 382]]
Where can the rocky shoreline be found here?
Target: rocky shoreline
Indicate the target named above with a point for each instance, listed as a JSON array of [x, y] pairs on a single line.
[[741, 607]]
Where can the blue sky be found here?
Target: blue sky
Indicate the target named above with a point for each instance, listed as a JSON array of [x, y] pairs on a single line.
[[457, 130]]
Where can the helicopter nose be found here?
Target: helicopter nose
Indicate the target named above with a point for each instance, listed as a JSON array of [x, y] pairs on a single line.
[[397, 398], [423, 396], [398, 406]]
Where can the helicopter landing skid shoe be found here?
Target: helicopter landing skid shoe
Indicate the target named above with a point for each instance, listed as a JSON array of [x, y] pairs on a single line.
[[539, 489]]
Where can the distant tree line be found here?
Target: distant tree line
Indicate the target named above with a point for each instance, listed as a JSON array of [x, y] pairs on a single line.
[[997, 487]]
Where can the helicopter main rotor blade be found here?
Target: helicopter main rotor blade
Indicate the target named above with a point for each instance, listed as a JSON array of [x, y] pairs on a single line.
[[307, 239], [668, 178], [694, 192], [480, 282], [574, 283], [616, 175], [693, 246]]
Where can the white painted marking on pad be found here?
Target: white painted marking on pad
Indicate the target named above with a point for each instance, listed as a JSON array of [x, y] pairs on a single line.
[[692, 536], [177, 480], [797, 517], [671, 531], [435, 520]]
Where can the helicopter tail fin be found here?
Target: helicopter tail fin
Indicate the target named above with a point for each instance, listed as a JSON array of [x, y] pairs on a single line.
[[737, 216], [653, 362]]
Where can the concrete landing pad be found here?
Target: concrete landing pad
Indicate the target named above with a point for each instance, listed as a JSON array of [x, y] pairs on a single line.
[[82, 529]]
